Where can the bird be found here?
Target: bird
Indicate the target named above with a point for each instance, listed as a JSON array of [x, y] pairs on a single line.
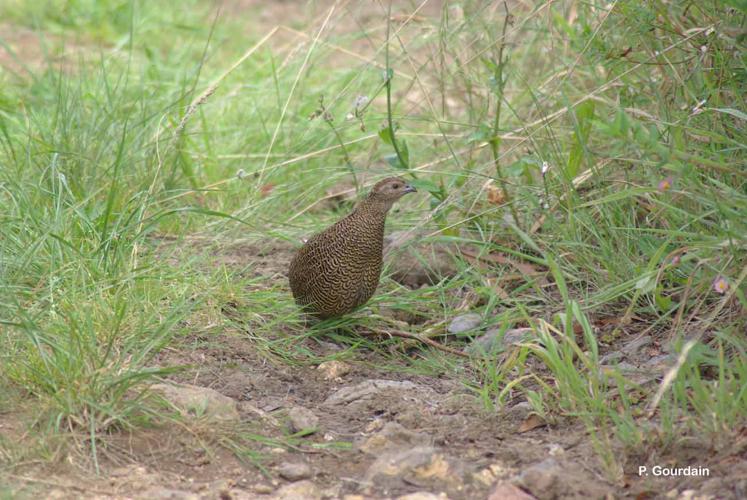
[[338, 269]]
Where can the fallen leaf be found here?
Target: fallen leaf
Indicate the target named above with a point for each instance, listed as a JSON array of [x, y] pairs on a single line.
[[533, 421], [495, 195]]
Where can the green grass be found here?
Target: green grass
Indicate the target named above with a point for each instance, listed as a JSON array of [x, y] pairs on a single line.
[[612, 133]]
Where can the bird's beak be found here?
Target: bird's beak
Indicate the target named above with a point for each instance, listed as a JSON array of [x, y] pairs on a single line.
[[410, 189]]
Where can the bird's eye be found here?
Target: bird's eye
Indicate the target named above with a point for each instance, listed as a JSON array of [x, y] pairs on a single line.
[[395, 186]]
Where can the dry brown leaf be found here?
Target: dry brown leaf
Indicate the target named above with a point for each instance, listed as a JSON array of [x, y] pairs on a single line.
[[495, 195], [533, 421]]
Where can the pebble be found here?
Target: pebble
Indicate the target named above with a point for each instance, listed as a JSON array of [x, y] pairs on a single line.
[[423, 495], [294, 471], [332, 370], [464, 323], [507, 491], [542, 476], [493, 340], [263, 489], [300, 489], [302, 419], [420, 463]]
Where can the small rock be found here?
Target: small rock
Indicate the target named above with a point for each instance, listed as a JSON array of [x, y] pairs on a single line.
[[374, 425], [507, 491], [234, 494], [300, 489], [271, 404], [332, 370], [540, 478], [549, 480], [490, 474], [554, 450], [517, 336], [302, 419], [263, 489], [519, 411], [423, 495], [294, 471], [418, 465], [492, 340], [393, 435], [690, 495], [195, 401], [464, 323], [367, 389]]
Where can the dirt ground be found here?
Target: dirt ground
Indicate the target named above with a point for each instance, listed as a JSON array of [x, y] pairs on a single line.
[[374, 431]]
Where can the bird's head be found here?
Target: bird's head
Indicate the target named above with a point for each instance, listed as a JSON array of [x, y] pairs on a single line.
[[390, 190]]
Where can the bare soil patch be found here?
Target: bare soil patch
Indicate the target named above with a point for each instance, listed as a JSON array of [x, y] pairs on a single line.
[[380, 433]]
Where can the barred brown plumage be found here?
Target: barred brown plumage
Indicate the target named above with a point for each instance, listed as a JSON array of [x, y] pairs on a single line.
[[338, 269]]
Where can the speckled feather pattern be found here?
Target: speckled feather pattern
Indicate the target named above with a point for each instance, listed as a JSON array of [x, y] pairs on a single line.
[[338, 269]]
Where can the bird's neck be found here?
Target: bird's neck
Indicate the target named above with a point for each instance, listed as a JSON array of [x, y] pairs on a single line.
[[374, 207]]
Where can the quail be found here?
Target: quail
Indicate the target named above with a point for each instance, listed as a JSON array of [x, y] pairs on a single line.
[[338, 269]]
